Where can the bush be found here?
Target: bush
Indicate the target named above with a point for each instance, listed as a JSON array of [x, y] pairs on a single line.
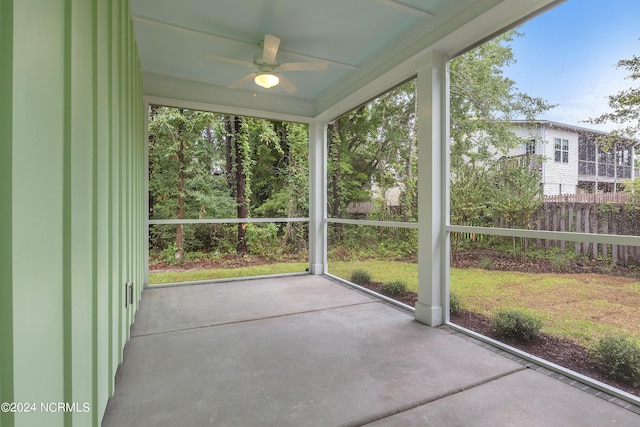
[[360, 277], [394, 288], [560, 263], [517, 325], [263, 240], [485, 263], [455, 302], [619, 358]]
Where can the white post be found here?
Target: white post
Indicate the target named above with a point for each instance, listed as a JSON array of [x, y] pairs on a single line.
[[145, 244], [317, 197], [433, 191]]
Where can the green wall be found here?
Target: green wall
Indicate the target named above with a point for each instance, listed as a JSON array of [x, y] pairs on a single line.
[[6, 271], [72, 172]]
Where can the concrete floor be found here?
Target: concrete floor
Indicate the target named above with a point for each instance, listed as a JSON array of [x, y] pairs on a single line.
[[305, 351]]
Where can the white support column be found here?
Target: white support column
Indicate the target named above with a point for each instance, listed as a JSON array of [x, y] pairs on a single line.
[[433, 191], [146, 194], [317, 197]]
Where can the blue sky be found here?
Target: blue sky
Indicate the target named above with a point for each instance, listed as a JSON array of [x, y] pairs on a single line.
[[568, 56]]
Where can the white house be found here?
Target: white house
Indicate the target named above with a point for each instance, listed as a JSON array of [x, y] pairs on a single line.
[[570, 160]]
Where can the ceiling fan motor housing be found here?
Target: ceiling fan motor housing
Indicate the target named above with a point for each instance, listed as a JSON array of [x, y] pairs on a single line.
[[260, 62]]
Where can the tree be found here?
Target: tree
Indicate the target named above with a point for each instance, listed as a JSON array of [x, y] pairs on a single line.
[[626, 103], [181, 154], [238, 165], [374, 147], [626, 111], [206, 165], [483, 104]]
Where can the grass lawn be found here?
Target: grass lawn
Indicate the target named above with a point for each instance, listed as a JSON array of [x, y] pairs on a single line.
[[581, 307], [380, 271], [178, 276]]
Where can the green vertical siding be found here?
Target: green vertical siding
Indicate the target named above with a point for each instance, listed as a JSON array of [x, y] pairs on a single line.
[[71, 165], [38, 206], [102, 378], [6, 191]]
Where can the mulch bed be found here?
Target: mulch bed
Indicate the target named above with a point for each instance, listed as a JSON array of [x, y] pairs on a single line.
[[503, 261], [548, 347]]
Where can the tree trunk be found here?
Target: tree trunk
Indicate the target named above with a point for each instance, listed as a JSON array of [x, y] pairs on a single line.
[[241, 188], [334, 152], [228, 156], [179, 255]]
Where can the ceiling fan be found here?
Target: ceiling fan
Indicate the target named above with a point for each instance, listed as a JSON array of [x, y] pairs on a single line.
[[267, 67]]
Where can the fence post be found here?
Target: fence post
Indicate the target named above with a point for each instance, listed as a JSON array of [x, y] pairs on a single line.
[[577, 245], [587, 229]]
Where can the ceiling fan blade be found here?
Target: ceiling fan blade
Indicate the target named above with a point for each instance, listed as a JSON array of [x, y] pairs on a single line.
[[304, 66], [270, 48], [286, 84], [243, 80], [230, 60]]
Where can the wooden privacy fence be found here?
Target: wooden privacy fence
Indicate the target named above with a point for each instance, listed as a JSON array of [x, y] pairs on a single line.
[[620, 198], [596, 218]]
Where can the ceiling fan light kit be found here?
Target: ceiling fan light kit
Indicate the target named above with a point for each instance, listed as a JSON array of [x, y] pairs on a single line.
[[267, 80]]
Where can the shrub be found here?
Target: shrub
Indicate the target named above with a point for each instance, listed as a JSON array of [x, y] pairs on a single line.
[[263, 240], [341, 254], [485, 263], [619, 358], [455, 302], [394, 288], [360, 277], [168, 254], [517, 325], [560, 263]]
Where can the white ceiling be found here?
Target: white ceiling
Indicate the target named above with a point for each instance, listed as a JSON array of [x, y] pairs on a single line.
[[368, 45]]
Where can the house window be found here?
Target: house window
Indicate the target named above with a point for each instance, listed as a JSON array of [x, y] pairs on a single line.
[[561, 150], [530, 147]]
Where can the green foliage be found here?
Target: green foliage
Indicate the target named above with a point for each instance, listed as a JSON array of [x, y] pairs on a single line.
[[372, 150], [168, 254], [483, 104], [395, 288], [517, 325], [352, 242], [626, 103], [619, 358], [486, 263], [560, 262], [455, 302], [195, 158], [263, 240], [633, 188], [360, 277]]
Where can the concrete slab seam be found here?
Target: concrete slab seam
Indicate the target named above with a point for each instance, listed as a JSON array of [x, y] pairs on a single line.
[[417, 404], [256, 319]]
